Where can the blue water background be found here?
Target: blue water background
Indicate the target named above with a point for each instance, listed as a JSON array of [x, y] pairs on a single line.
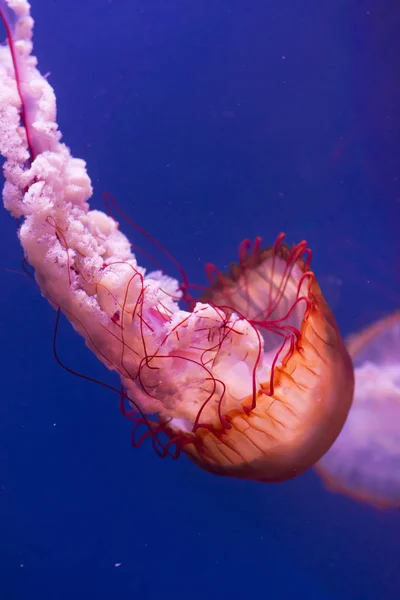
[[209, 122]]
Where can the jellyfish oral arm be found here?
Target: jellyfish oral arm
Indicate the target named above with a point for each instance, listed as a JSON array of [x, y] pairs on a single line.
[[83, 263]]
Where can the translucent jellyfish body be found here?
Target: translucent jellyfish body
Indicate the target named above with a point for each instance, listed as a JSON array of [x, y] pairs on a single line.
[[253, 382], [364, 462]]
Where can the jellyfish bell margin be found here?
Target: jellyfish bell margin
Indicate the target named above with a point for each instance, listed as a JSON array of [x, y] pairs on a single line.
[[253, 382]]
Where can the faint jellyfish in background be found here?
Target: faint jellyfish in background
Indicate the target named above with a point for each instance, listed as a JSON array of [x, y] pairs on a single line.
[[364, 462]]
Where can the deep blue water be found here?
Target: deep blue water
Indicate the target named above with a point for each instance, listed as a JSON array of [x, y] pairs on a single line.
[[209, 122]]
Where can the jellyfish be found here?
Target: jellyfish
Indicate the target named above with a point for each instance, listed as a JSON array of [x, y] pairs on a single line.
[[254, 381], [364, 462]]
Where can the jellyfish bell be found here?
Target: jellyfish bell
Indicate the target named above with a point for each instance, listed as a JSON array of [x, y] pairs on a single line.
[[253, 382], [282, 379], [364, 462]]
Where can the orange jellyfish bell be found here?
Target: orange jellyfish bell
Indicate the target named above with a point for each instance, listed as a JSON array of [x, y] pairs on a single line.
[[299, 371], [364, 462]]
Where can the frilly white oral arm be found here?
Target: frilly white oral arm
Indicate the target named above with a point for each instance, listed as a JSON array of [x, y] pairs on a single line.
[[170, 361]]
